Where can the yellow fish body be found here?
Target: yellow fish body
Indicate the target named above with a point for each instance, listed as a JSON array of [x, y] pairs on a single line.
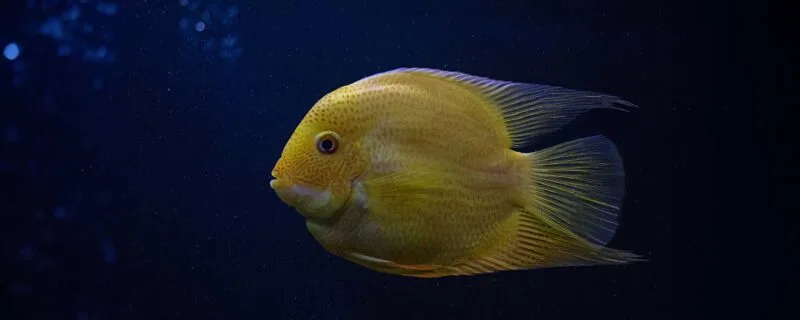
[[412, 172]]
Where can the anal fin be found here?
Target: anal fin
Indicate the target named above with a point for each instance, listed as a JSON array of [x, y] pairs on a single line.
[[386, 266], [526, 242]]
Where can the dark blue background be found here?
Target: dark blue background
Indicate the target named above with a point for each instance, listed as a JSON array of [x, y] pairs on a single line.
[[148, 199]]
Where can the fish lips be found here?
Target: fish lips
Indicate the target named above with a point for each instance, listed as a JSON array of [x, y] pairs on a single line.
[[311, 202]]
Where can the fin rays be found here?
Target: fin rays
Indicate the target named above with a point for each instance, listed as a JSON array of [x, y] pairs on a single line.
[[530, 110]]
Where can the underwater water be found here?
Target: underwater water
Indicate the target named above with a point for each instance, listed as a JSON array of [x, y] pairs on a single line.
[[138, 138]]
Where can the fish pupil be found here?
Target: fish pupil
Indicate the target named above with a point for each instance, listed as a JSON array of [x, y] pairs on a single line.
[[327, 145], [327, 142]]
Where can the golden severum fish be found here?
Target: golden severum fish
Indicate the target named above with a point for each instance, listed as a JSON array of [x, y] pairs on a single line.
[[413, 172]]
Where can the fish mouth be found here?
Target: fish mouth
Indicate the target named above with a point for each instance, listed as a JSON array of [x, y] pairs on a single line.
[[306, 199], [316, 204]]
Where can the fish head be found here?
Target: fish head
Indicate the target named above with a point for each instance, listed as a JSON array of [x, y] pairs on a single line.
[[321, 161]]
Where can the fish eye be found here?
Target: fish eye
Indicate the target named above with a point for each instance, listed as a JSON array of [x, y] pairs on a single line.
[[327, 142]]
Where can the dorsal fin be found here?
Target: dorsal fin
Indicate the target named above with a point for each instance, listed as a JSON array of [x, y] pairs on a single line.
[[529, 110]]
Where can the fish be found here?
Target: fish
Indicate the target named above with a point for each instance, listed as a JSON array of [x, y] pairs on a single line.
[[415, 172]]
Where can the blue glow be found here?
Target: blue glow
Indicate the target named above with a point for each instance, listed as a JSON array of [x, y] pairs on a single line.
[[208, 44], [60, 213], [11, 51], [72, 14], [230, 54], [107, 8], [101, 52], [53, 28], [229, 41], [64, 50], [95, 55], [230, 14], [211, 27], [109, 252], [232, 11], [76, 30]]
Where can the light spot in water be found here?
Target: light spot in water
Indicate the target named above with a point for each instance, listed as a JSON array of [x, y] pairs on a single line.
[[232, 11], [211, 27], [64, 50], [101, 52], [52, 27], [60, 213], [107, 8], [72, 14], [229, 41], [98, 54], [109, 252], [230, 14], [11, 51], [230, 53], [97, 84]]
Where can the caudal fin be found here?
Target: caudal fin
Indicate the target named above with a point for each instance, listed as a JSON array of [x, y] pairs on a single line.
[[575, 192], [578, 187]]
